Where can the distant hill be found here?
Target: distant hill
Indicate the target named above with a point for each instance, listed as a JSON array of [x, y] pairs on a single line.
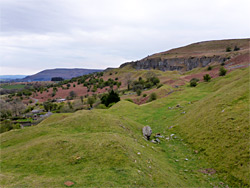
[[46, 75], [11, 77]]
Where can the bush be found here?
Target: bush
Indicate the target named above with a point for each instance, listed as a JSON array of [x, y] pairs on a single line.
[[111, 104], [112, 97], [5, 126], [193, 83], [209, 68], [160, 85], [72, 95], [152, 97], [207, 77], [144, 95], [130, 100], [236, 48], [194, 79], [222, 72], [138, 92], [228, 49], [101, 106]]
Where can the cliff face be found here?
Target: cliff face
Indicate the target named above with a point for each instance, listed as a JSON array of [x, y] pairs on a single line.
[[179, 64]]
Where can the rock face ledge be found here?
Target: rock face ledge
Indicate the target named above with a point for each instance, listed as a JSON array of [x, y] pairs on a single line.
[[179, 64]]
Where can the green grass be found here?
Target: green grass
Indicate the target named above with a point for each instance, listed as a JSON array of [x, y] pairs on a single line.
[[90, 148], [100, 147], [216, 124], [14, 86]]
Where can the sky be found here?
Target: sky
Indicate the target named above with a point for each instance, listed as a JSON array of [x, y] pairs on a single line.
[[45, 34]]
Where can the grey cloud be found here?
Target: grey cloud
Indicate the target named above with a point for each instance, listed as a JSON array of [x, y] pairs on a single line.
[[40, 34]]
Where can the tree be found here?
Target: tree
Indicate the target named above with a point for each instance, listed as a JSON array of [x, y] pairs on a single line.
[[47, 106], [222, 72], [68, 86], [128, 80], [112, 97], [57, 79], [72, 94], [91, 101], [81, 97], [207, 77]]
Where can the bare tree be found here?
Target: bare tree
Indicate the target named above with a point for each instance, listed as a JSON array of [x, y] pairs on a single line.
[[128, 80]]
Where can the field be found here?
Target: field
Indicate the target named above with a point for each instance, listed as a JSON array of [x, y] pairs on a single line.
[[105, 148], [12, 86]]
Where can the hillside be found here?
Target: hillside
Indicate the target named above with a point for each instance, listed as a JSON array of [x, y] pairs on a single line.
[[105, 147], [195, 55], [46, 75], [204, 130]]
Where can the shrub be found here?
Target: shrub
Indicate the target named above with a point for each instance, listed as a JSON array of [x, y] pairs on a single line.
[[236, 48], [130, 100], [111, 104], [5, 126], [53, 93], [222, 72], [207, 77], [101, 106], [138, 92], [193, 83], [144, 95], [195, 79], [152, 97], [209, 68], [228, 49], [159, 85], [112, 97], [72, 94]]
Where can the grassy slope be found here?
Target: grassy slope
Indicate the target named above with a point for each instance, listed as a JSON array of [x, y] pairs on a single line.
[[90, 148], [219, 126], [222, 137], [207, 48], [107, 142]]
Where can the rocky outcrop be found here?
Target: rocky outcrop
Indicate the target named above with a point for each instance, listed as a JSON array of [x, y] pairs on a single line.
[[179, 64]]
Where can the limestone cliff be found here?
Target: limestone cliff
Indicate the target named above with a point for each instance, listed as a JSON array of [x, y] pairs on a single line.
[[179, 64]]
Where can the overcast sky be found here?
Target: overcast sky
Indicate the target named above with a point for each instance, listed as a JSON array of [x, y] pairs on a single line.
[[43, 34]]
